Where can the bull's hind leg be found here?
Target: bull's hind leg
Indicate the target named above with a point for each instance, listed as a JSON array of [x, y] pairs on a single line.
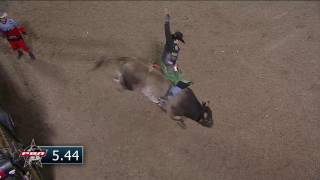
[[118, 79], [162, 103], [147, 91]]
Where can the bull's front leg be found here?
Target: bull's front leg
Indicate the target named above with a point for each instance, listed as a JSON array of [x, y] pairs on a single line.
[[178, 119], [180, 122]]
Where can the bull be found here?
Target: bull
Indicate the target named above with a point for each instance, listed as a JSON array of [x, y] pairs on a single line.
[[136, 76]]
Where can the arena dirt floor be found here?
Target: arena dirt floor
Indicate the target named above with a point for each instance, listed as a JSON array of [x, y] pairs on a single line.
[[257, 63]]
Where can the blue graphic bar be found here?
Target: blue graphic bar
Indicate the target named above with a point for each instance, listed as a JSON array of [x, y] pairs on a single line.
[[62, 154]]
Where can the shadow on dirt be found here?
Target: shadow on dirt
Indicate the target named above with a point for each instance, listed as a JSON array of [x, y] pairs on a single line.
[[49, 70], [27, 115]]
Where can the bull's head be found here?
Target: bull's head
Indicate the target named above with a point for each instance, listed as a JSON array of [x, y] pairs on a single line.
[[206, 118]]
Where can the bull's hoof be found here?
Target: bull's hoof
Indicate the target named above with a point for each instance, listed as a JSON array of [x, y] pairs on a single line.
[[182, 125], [206, 123], [116, 80], [20, 53], [32, 57]]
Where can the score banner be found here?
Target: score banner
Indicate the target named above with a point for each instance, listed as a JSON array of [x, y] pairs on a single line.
[[62, 154]]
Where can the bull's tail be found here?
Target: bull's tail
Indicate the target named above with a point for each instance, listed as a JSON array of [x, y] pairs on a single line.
[[108, 61], [125, 59], [121, 60]]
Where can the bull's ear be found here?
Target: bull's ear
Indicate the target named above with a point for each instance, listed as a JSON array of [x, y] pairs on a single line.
[[203, 103], [208, 102]]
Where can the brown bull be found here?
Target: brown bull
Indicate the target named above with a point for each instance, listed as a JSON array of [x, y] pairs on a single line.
[[136, 76]]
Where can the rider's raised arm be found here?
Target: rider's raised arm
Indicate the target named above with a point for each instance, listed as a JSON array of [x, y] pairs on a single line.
[[167, 28]]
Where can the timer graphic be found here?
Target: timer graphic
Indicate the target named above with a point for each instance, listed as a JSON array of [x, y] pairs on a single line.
[[62, 155]]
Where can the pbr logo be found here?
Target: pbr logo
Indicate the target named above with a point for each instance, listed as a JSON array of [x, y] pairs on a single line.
[[33, 154]]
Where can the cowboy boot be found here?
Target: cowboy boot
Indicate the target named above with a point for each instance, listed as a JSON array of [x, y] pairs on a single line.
[[32, 56], [20, 53]]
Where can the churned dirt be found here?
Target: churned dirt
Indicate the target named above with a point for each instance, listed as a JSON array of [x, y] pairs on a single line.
[[257, 62]]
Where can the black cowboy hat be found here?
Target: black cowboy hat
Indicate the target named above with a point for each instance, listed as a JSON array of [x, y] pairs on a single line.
[[179, 36]]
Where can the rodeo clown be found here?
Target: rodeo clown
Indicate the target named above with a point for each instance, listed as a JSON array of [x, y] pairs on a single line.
[[10, 29], [171, 48]]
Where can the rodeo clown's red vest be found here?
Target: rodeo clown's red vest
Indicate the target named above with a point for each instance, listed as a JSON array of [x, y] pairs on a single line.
[[11, 30]]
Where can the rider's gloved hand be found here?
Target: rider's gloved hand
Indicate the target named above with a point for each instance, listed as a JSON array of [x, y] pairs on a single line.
[[167, 17], [166, 11]]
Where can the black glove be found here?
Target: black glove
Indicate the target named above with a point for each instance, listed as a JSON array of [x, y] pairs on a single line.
[[167, 18], [167, 15]]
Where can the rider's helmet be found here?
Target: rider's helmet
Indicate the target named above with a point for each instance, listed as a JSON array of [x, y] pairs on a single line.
[[178, 35]]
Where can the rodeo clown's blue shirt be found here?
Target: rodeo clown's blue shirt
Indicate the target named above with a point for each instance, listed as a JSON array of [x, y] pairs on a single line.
[[9, 25]]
